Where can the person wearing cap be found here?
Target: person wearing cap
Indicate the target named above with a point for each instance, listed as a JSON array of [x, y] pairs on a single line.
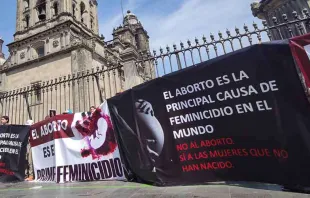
[[29, 169]]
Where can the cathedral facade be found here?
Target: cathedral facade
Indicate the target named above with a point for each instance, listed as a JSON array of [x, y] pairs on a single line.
[[272, 11], [56, 38]]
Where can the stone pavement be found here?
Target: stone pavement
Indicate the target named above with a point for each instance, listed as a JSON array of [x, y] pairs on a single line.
[[117, 189]]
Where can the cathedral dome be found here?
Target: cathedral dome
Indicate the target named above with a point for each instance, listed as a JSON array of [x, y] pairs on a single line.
[[129, 13], [130, 18]]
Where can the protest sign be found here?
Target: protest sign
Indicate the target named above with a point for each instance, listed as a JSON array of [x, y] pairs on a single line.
[[13, 147], [240, 117], [76, 147]]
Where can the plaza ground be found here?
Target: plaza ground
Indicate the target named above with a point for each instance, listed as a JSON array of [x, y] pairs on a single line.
[[118, 189]]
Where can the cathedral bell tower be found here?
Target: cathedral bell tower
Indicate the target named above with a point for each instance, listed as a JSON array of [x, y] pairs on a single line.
[[132, 41], [48, 32], [53, 38], [39, 15]]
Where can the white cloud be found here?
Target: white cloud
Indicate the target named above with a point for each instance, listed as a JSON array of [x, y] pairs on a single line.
[[192, 18], [196, 18]]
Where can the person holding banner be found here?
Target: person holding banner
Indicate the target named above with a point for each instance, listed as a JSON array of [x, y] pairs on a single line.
[[29, 168]]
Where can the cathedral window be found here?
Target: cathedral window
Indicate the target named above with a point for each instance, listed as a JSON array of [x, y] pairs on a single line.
[[55, 8], [73, 10], [40, 51], [36, 87], [91, 23], [41, 8], [37, 95], [82, 9], [137, 41], [27, 20]]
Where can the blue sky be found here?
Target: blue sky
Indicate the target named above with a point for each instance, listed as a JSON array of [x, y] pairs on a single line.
[[167, 21]]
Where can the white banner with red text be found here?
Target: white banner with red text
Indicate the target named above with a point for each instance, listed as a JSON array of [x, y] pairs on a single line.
[[76, 147]]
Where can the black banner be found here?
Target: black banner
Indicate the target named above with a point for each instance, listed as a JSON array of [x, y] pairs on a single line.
[[13, 148], [240, 117]]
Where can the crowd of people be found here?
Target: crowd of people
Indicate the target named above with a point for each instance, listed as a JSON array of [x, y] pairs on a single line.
[[29, 171]]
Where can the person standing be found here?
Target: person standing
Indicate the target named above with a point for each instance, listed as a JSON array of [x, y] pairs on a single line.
[[92, 109], [5, 120], [29, 169]]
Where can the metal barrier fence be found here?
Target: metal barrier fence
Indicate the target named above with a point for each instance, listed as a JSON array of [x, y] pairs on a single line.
[[76, 92], [83, 89], [191, 53]]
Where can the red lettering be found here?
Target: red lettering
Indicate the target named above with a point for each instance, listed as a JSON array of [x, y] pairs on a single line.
[[5, 171], [260, 152], [216, 142], [182, 147], [189, 168], [216, 165], [228, 153], [280, 153], [182, 157]]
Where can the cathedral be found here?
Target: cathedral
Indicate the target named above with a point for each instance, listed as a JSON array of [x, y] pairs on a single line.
[[272, 11], [57, 38]]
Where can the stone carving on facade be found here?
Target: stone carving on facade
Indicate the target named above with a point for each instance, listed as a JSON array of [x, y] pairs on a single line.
[[127, 42], [93, 44], [74, 58], [55, 43], [22, 55], [256, 8], [74, 40], [108, 58]]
